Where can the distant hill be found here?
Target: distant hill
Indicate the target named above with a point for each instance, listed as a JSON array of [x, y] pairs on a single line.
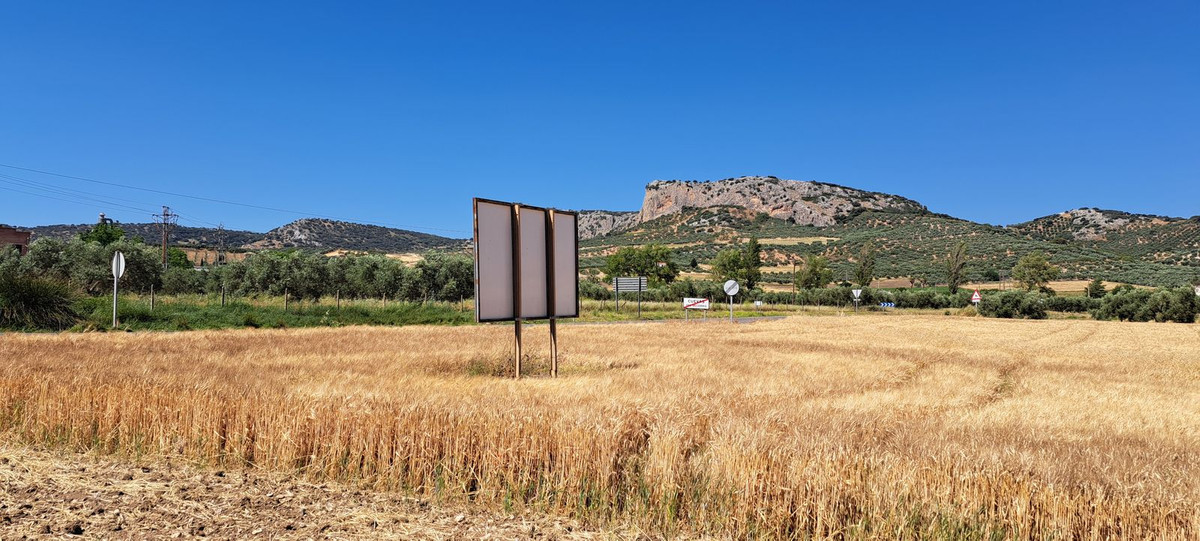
[[793, 219], [331, 234], [180, 235], [309, 233]]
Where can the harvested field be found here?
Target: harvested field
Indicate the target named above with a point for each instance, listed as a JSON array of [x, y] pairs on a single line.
[[899, 427]]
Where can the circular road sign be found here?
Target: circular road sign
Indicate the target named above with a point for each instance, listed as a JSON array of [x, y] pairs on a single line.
[[731, 288], [118, 265]]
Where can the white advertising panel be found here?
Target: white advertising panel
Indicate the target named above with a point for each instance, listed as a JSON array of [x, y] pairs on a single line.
[[566, 264], [493, 261], [495, 268], [533, 263]]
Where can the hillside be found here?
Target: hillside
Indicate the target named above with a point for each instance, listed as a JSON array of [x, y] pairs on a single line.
[[1156, 239], [180, 235], [331, 234], [1086, 243], [309, 233]]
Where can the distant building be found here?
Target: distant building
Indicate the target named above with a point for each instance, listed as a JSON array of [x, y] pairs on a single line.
[[9, 236]]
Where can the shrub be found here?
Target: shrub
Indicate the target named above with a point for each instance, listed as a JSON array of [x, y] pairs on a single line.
[[31, 303], [1128, 304], [1014, 305], [1072, 304]]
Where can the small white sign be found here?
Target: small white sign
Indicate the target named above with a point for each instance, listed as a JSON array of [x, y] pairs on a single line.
[[118, 265], [1198, 291], [757, 303], [695, 303], [857, 293], [976, 297], [732, 288]]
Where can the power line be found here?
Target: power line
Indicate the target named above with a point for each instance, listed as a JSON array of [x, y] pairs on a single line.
[[226, 202], [84, 203], [66, 191]]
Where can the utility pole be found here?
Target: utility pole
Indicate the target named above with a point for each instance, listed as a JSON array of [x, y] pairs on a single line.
[[166, 221], [221, 244]]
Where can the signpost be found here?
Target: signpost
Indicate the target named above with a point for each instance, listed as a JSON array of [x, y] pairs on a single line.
[[857, 296], [630, 283], [976, 298], [1198, 291], [526, 267], [731, 289], [887, 305], [690, 303], [118, 270]]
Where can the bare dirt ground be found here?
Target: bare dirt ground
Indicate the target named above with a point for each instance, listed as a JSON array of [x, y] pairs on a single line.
[[50, 494]]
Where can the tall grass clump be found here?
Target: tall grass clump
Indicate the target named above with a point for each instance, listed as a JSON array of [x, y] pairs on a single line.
[[34, 303]]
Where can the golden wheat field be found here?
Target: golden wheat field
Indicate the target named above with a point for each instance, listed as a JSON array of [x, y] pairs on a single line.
[[810, 427]]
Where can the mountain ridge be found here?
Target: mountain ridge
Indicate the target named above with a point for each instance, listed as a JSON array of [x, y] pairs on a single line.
[[305, 233]]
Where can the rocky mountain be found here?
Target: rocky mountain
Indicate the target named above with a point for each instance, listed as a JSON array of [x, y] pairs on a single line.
[[332, 234], [795, 201], [793, 219], [597, 223]]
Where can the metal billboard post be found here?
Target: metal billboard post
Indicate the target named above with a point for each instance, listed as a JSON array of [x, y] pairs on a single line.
[[550, 296], [516, 250]]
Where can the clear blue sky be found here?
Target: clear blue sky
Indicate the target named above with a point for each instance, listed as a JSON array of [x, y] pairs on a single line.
[[400, 113]]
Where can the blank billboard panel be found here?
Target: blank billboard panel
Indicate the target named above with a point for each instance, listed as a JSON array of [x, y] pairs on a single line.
[[547, 287], [566, 264], [532, 226], [493, 261]]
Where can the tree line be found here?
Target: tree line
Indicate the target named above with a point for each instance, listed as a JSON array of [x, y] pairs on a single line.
[[83, 264]]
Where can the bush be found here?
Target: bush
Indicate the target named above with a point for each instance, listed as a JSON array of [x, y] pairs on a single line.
[[31, 303], [1014, 305], [1128, 304], [1072, 304]]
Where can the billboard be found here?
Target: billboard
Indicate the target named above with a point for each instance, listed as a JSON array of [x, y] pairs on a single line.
[[526, 262]]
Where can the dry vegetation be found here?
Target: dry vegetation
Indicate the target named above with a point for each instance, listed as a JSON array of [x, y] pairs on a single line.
[[905, 427], [52, 492]]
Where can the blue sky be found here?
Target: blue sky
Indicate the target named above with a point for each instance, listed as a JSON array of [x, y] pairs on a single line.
[[399, 113]]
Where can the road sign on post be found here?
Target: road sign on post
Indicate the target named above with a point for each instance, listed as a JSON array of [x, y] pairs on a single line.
[[118, 270], [976, 297], [690, 303], [857, 296], [629, 283], [1198, 291], [731, 288], [526, 267]]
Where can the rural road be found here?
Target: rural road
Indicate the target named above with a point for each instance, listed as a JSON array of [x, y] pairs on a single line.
[[708, 320]]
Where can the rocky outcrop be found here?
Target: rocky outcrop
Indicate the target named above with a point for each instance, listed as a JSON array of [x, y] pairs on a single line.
[[597, 223], [1087, 224], [804, 202]]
